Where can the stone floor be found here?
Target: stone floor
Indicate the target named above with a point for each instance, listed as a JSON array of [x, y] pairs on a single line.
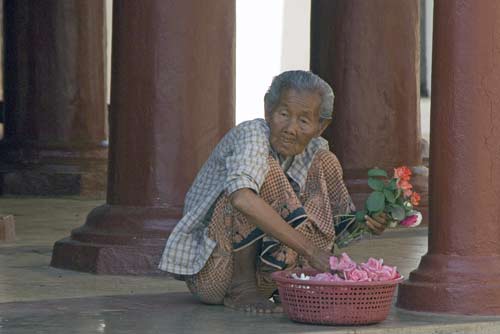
[[35, 298]]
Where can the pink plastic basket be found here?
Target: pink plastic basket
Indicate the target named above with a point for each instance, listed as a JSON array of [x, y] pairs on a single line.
[[334, 303]]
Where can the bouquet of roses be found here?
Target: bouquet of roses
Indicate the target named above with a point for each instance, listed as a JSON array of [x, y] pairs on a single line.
[[394, 197]]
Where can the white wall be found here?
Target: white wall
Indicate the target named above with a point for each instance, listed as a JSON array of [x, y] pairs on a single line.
[[271, 36], [296, 35], [429, 9], [109, 25], [258, 53]]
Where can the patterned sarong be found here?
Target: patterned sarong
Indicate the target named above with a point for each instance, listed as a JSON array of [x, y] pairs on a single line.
[[312, 213]]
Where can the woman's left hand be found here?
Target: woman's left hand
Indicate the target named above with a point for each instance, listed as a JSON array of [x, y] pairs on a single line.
[[377, 223]]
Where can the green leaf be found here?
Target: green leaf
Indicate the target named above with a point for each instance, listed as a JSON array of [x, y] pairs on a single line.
[[399, 199], [389, 196], [375, 202], [376, 184], [377, 172], [397, 212], [360, 216], [393, 184]]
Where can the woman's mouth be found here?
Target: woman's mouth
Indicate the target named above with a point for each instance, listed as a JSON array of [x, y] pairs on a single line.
[[288, 140]]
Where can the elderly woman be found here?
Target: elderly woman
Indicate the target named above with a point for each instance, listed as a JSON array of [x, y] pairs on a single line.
[[268, 198]]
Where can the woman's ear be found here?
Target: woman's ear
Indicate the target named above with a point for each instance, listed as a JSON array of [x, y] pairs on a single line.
[[267, 116], [323, 124]]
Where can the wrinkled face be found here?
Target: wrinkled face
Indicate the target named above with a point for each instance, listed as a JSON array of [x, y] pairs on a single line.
[[295, 121]]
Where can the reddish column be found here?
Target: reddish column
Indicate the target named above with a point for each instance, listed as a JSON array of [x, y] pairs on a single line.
[[368, 52], [460, 273], [172, 99], [55, 109]]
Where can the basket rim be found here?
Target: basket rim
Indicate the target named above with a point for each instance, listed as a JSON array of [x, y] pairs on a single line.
[[282, 277]]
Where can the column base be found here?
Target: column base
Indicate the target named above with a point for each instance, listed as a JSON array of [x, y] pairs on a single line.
[[106, 259], [117, 240], [54, 172], [468, 285]]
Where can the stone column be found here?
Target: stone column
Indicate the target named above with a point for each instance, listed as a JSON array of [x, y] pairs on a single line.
[[369, 52], [172, 99], [460, 273], [55, 131]]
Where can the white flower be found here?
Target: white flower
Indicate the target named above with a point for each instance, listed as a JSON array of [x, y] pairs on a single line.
[[302, 277]]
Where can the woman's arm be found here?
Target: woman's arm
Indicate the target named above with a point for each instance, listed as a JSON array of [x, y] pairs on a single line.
[[262, 215]]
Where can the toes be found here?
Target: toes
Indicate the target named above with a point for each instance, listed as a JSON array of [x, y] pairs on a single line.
[[268, 308], [257, 307]]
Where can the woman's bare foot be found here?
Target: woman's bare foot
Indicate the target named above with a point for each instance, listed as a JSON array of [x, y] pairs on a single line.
[[245, 297], [243, 294]]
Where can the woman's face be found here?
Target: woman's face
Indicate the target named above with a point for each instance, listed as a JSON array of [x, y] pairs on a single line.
[[294, 121]]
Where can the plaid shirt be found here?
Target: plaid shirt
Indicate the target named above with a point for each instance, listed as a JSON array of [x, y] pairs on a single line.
[[239, 161]]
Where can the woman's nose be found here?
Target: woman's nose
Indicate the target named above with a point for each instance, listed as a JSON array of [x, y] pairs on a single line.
[[291, 127]]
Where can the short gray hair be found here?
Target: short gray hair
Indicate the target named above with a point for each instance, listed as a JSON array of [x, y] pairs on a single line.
[[300, 81]]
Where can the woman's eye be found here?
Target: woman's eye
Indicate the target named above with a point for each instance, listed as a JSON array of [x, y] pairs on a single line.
[[304, 121], [283, 113]]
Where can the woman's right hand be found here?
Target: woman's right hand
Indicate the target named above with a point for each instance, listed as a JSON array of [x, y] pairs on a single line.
[[320, 260]]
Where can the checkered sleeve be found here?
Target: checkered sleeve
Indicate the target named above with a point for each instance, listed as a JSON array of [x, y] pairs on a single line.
[[247, 164]]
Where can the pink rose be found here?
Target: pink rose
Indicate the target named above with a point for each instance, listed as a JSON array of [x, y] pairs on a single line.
[[413, 220], [345, 263], [409, 221], [323, 277], [372, 275], [348, 270], [357, 275], [372, 264], [327, 277], [415, 199], [392, 271], [402, 173], [407, 192], [334, 263], [387, 274], [404, 185], [383, 276]]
